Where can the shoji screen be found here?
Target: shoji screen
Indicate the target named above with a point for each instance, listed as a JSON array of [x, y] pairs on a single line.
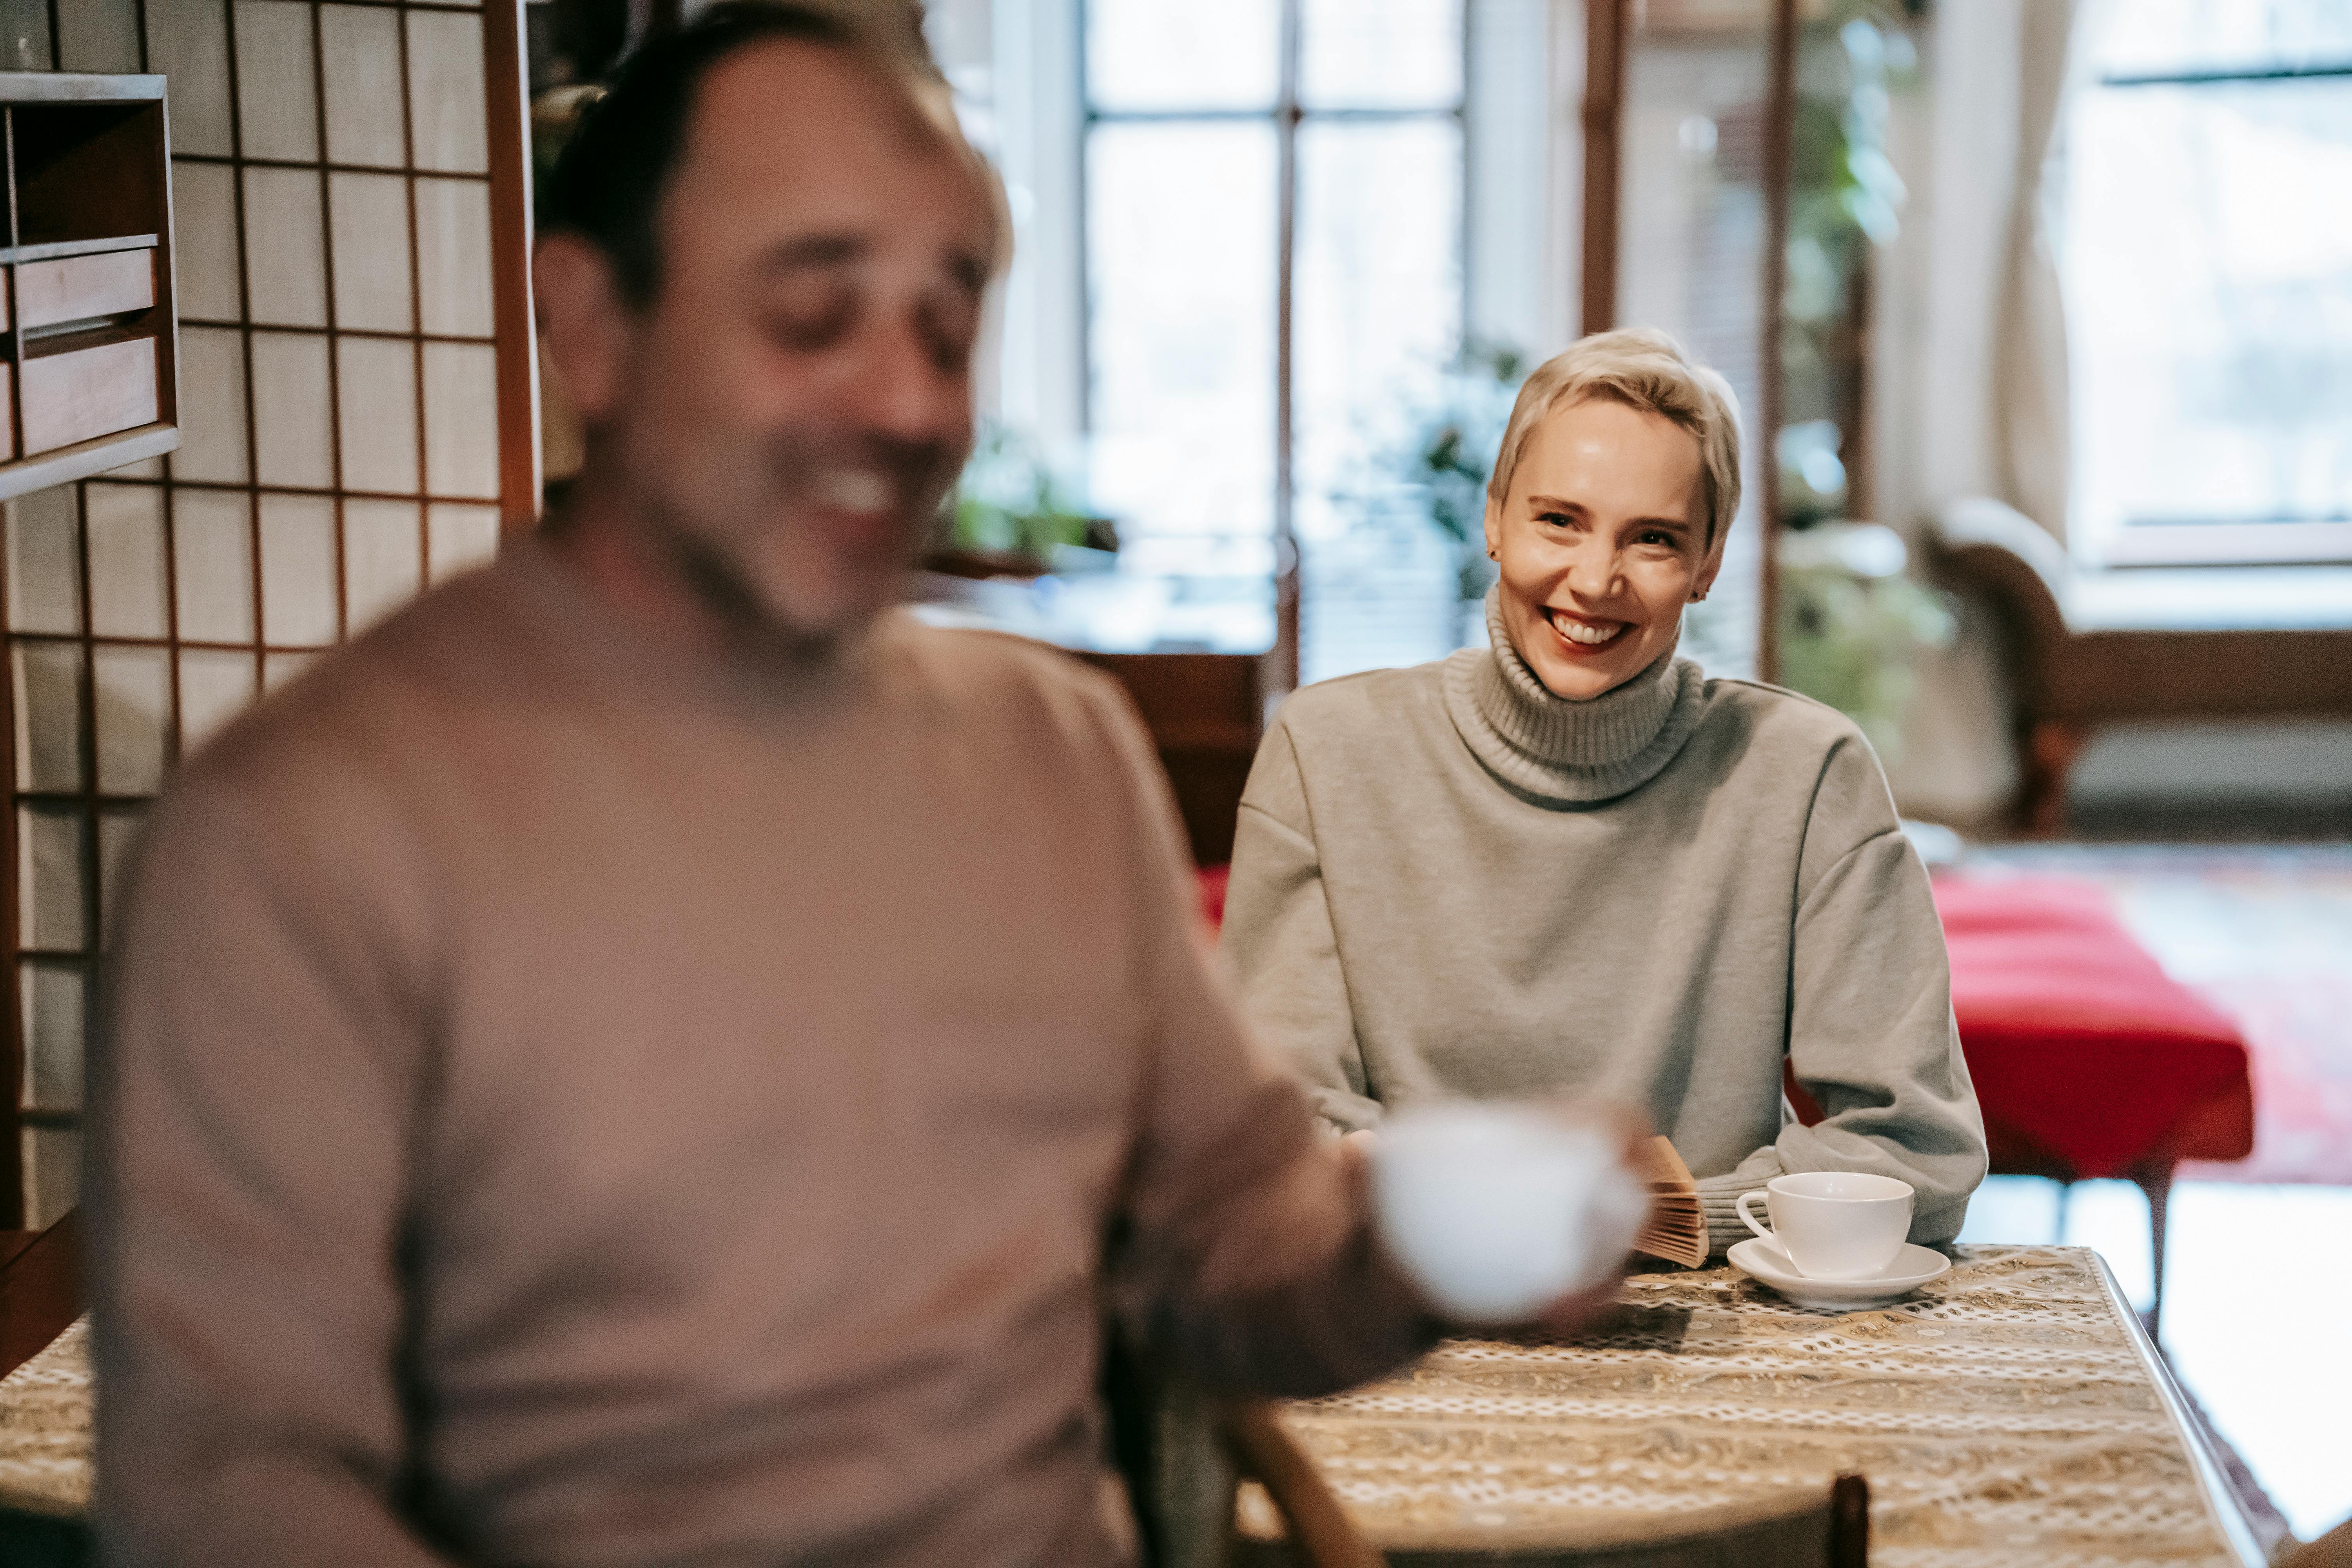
[[351, 211]]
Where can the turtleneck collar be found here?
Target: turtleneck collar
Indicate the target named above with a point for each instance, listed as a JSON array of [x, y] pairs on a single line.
[[1562, 750]]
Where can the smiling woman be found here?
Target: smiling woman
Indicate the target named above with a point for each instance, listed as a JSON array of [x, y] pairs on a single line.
[[1571, 863]]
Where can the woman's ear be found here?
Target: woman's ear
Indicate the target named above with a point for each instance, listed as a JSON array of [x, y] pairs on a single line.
[[1705, 581], [1494, 529]]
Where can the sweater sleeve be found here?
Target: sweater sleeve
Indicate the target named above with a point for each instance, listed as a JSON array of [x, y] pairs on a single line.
[[1871, 1035], [1246, 1249], [250, 1110], [1278, 939]]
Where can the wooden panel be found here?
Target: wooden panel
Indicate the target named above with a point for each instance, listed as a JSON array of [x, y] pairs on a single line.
[[84, 393], [85, 287]]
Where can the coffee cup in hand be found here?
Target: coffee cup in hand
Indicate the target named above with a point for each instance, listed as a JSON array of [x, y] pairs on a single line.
[[1834, 1225], [1497, 1210]]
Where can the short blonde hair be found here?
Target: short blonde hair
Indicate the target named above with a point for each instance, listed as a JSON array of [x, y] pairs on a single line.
[[1645, 369]]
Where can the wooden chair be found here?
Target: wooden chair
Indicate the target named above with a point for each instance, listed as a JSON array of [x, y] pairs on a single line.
[[1186, 1456], [1828, 1529], [2086, 648], [2333, 1550], [1206, 712]]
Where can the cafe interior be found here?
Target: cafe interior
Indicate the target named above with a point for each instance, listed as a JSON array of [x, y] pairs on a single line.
[[2039, 316]]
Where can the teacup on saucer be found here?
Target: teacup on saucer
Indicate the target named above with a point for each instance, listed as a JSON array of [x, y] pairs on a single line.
[[1912, 1267]]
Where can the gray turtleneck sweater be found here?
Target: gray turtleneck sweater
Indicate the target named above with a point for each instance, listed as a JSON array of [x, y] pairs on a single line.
[[1448, 882]]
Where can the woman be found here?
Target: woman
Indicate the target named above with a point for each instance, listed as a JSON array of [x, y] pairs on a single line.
[[1571, 862]]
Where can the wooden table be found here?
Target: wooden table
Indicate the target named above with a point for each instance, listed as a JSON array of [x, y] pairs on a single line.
[[45, 1399], [2012, 1413]]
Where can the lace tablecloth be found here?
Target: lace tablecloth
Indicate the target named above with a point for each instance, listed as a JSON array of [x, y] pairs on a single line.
[[2005, 1415], [45, 1428]]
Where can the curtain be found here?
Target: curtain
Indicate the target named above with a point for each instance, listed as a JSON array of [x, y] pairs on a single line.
[[2030, 427]]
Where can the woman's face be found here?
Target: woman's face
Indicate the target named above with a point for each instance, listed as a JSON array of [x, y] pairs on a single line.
[[1601, 540]]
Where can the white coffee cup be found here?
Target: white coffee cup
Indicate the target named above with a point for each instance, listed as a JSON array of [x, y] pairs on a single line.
[[1498, 1210], [1834, 1225]]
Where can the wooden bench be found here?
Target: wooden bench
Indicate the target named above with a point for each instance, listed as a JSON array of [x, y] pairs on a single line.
[[2088, 648]]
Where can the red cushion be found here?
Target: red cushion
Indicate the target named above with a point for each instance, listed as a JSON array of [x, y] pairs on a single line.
[[2081, 1046]]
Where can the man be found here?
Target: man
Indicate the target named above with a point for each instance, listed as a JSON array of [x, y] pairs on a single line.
[[646, 1057]]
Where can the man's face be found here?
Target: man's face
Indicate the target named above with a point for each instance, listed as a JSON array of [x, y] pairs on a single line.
[[1602, 541], [785, 414]]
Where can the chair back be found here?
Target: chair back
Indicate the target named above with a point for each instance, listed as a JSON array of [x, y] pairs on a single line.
[[2333, 1550], [1828, 1529]]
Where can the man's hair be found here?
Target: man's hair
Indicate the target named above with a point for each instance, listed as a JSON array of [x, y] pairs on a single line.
[[607, 184], [1644, 369]]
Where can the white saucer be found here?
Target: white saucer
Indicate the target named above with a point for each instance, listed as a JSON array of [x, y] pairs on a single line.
[[1912, 1267]]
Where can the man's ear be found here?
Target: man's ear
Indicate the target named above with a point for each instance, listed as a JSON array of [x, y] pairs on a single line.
[[583, 322]]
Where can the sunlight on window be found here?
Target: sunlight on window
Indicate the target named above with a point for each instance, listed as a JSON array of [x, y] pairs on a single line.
[[1185, 159], [1182, 263], [1147, 55], [2207, 265]]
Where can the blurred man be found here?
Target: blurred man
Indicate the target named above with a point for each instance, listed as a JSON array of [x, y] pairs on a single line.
[[646, 1056]]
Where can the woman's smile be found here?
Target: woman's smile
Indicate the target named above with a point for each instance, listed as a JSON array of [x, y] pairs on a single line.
[[1583, 633]]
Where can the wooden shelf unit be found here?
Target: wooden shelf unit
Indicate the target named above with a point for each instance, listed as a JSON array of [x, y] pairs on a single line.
[[89, 330]]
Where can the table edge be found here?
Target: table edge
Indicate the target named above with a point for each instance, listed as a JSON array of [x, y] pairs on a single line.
[[2219, 1502]]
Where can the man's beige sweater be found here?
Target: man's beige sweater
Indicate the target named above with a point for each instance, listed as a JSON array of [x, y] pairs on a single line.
[[568, 1103], [1449, 881]]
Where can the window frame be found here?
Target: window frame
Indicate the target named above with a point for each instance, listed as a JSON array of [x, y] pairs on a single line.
[[1287, 114], [2123, 542]]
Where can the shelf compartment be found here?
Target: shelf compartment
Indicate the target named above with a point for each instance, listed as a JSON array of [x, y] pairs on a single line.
[[85, 287], [78, 395], [86, 171], [88, 327]]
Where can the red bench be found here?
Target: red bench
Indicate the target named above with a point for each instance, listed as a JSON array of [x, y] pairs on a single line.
[[2089, 1060]]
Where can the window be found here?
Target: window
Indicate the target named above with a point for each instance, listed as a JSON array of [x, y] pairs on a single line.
[[1274, 261], [2208, 269]]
